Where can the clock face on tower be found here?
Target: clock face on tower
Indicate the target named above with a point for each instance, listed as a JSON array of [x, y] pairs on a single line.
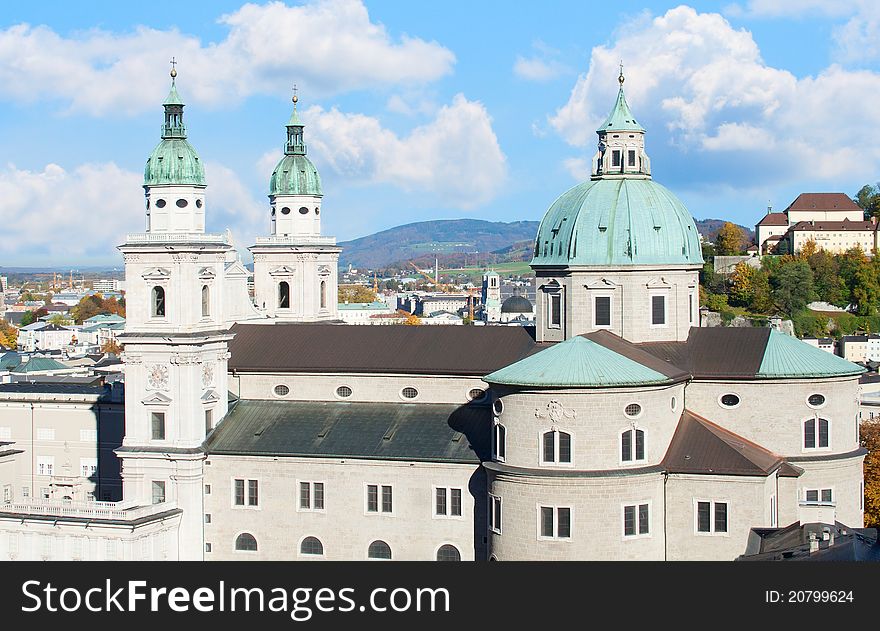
[[157, 377]]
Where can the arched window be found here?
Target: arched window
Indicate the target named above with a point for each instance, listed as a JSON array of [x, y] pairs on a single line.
[[556, 447], [632, 448], [206, 301], [323, 294], [283, 295], [311, 545], [158, 302], [448, 553], [815, 433], [499, 442], [379, 550], [246, 542]]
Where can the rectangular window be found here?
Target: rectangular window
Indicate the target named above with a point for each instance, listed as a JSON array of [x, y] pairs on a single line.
[[88, 467], [631, 158], [615, 158], [209, 420], [207, 489], [379, 498], [253, 493], [773, 514], [555, 310], [239, 492], [207, 547], [640, 444], [447, 502], [207, 518], [499, 442], [816, 495], [691, 309], [45, 465], [495, 514], [658, 310], [5, 433], [158, 491], [44, 493], [25, 491], [547, 518], [7, 493], [45, 433], [603, 310], [636, 520], [711, 517], [311, 496], [88, 435], [157, 425]]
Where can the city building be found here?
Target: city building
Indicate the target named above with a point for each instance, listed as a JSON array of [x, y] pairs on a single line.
[[831, 220], [617, 428], [859, 348]]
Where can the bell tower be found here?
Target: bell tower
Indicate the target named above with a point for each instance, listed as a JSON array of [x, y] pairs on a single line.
[[176, 335], [295, 267]]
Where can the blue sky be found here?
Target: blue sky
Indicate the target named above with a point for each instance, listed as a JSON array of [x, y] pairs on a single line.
[[421, 110]]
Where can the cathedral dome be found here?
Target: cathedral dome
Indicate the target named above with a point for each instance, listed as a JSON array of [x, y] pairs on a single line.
[[617, 221], [517, 304], [295, 175], [174, 161], [620, 216]]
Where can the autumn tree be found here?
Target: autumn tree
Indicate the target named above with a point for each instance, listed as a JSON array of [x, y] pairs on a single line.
[[59, 320], [791, 286], [809, 249], [8, 335], [742, 285], [96, 304], [413, 320], [355, 293], [827, 282], [869, 436], [730, 240], [111, 346]]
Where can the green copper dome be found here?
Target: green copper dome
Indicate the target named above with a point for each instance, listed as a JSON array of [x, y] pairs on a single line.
[[174, 160], [617, 221], [295, 174]]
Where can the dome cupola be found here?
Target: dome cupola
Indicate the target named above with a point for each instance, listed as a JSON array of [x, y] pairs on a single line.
[[295, 174]]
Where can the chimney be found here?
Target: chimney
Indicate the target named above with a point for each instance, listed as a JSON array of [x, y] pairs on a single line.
[[814, 542]]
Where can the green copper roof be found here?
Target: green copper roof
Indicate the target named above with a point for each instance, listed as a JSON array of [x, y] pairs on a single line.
[[295, 175], [787, 356], [9, 360], [620, 118], [576, 363], [617, 221], [173, 97], [174, 161], [39, 364]]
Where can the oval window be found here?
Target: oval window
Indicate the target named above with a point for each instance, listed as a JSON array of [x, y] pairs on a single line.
[[198, 203], [160, 203], [281, 390], [409, 393], [673, 404], [816, 400], [729, 400], [303, 211], [182, 203], [633, 409], [317, 211], [343, 391], [476, 394], [285, 211], [498, 406]]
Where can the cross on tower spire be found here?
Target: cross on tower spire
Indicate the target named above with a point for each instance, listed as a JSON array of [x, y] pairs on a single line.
[[173, 68]]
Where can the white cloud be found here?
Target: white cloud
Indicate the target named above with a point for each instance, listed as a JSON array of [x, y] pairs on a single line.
[[794, 8], [579, 168], [708, 84], [57, 215], [536, 69], [455, 157], [327, 46]]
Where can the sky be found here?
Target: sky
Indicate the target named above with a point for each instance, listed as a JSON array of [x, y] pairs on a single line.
[[423, 110]]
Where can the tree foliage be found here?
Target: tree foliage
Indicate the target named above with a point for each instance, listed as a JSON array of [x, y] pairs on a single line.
[[355, 293], [8, 335], [96, 304], [413, 320], [791, 286], [730, 240], [868, 199], [111, 346], [869, 435]]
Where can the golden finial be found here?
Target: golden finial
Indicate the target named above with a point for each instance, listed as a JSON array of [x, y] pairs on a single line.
[[620, 78], [295, 97], [173, 69]]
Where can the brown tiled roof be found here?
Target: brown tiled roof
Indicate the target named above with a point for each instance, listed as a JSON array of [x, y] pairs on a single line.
[[393, 348], [716, 352], [823, 201], [774, 219], [774, 237], [702, 447], [834, 225], [639, 355]]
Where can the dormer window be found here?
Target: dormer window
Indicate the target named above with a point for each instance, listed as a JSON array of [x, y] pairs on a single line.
[[615, 158]]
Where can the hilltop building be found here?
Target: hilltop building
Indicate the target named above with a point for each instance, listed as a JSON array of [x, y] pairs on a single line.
[[616, 428], [832, 220]]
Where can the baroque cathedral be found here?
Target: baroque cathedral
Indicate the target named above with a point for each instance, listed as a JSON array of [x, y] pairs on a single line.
[[615, 429]]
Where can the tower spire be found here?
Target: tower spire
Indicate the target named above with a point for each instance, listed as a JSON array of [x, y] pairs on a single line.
[[174, 127], [295, 143], [621, 141]]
